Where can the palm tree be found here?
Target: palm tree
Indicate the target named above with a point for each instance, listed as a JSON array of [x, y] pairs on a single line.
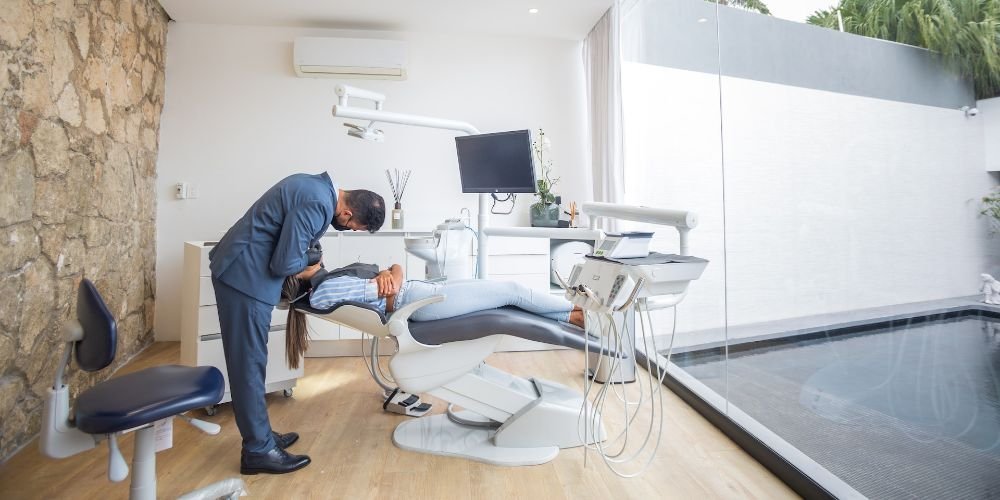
[[965, 33], [752, 5]]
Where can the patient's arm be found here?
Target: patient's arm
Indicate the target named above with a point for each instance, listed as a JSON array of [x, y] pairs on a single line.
[[389, 281], [397, 276]]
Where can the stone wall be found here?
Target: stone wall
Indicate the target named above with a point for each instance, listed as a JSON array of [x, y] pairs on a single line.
[[81, 89]]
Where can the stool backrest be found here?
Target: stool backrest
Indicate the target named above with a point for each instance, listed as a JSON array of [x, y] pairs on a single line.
[[100, 332]]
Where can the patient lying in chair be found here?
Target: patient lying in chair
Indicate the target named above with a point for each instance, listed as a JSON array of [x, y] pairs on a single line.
[[388, 291]]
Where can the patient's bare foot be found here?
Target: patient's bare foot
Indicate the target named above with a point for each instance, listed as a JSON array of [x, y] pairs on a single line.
[[576, 317]]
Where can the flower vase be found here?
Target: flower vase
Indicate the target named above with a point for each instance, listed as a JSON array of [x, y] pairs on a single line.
[[397, 217], [545, 215]]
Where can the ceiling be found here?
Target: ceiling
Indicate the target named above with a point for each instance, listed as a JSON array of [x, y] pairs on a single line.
[[565, 19]]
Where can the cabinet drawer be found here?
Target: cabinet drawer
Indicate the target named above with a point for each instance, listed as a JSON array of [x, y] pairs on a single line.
[[208, 319], [322, 330], [210, 353], [518, 264], [382, 251], [205, 271], [513, 245], [206, 292], [537, 281]]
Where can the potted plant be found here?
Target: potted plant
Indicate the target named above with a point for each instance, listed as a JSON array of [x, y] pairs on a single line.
[[991, 209], [545, 211]]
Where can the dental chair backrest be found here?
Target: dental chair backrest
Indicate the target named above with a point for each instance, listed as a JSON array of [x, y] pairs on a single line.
[[98, 345]]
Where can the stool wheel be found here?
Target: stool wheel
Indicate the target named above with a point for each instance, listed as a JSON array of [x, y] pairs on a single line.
[[287, 393], [211, 410]]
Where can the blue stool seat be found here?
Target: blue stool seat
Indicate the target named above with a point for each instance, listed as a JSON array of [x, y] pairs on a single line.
[[147, 396]]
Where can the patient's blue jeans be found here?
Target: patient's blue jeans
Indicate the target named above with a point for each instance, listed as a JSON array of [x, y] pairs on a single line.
[[466, 296]]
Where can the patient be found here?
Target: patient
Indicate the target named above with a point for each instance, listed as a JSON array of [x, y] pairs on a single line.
[[389, 291]]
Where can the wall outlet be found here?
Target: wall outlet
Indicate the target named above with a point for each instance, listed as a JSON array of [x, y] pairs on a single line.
[[186, 190]]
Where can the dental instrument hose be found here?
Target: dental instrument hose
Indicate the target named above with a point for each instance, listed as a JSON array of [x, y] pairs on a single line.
[[615, 451]]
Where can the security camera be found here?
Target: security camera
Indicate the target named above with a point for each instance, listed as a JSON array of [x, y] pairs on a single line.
[[969, 111]]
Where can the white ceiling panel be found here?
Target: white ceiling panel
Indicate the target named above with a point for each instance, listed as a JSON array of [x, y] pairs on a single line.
[[565, 19]]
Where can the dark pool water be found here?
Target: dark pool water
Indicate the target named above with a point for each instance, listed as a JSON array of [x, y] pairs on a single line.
[[903, 410]]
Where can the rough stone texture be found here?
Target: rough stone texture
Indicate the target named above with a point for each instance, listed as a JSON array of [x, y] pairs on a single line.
[[81, 89], [16, 184]]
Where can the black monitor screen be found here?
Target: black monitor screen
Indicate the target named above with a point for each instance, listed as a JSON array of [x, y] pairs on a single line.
[[496, 163]]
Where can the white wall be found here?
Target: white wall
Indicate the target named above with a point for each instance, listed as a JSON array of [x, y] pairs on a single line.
[[989, 113], [833, 202], [236, 119]]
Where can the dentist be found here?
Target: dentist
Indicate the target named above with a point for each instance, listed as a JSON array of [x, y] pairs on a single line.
[[248, 267]]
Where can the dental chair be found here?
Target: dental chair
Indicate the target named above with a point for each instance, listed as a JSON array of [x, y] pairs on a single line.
[[507, 420], [133, 402]]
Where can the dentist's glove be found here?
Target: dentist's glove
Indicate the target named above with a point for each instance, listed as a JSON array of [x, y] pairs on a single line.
[[314, 254]]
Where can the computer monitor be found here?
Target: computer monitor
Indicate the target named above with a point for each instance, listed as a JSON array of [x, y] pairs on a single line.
[[501, 162]]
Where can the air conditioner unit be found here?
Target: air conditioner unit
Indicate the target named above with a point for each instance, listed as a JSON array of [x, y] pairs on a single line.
[[363, 58]]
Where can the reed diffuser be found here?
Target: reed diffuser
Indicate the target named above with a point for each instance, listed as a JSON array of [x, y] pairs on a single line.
[[398, 181]]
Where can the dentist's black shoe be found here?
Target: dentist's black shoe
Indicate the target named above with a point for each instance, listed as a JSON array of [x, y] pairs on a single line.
[[276, 461], [285, 440]]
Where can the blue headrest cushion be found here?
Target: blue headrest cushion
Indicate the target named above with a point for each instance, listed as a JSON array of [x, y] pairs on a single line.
[[100, 332]]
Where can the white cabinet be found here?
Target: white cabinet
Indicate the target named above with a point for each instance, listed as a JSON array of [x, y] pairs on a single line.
[[524, 260], [201, 339]]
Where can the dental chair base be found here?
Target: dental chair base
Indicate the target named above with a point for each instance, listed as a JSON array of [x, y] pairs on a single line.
[[545, 418], [517, 421]]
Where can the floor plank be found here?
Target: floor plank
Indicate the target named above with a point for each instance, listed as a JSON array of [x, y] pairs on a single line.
[[336, 410]]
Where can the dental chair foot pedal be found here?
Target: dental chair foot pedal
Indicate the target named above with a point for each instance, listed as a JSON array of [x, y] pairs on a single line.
[[404, 403]]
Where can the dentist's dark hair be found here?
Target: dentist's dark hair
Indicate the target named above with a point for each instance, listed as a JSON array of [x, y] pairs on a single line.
[[367, 207], [296, 330]]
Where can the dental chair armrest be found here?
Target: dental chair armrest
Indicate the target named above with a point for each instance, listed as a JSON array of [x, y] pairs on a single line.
[[402, 315]]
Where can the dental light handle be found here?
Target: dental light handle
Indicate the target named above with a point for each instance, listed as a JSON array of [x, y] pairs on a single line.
[[203, 426], [346, 91], [117, 468]]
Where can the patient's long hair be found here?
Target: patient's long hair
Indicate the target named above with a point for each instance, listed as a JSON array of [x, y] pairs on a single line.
[[296, 330]]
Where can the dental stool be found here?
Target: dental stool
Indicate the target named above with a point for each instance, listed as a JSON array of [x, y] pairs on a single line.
[[506, 419], [130, 402]]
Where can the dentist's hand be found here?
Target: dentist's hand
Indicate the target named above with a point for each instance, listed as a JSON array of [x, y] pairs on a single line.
[[308, 272]]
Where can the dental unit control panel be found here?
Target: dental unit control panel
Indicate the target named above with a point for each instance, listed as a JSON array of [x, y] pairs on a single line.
[[605, 285]]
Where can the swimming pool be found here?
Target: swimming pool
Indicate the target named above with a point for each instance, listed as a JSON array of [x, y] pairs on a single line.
[[908, 408]]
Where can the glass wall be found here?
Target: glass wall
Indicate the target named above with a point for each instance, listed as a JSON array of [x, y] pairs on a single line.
[[673, 157], [837, 181]]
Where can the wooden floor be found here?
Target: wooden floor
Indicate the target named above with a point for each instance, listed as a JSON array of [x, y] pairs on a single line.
[[337, 411]]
